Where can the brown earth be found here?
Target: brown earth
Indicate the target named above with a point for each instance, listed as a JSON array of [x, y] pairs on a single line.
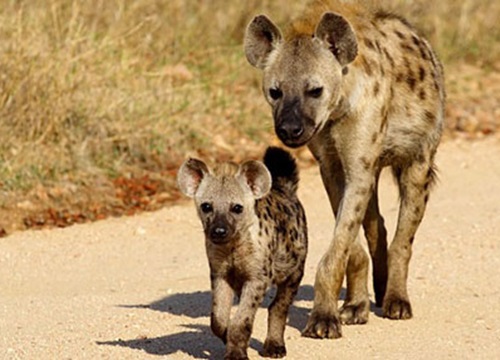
[[138, 287]]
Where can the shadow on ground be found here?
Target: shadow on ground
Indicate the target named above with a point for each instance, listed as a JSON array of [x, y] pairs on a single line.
[[198, 340], [198, 304]]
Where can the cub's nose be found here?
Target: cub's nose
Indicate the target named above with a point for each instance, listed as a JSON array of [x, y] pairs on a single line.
[[219, 234], [290, 130]]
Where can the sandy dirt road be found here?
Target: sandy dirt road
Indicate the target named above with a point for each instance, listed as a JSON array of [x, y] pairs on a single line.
[[138, 287]]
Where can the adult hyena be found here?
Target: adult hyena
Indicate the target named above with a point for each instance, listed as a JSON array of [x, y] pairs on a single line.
[[363, 90]]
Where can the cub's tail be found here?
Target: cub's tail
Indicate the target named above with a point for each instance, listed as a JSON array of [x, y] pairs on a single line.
[[283, 169]]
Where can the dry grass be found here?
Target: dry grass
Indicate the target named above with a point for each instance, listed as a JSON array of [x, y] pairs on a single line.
[[459, 30], [92, 90]]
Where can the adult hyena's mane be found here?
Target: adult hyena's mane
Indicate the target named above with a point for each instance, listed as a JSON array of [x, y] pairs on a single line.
[[306, 23]]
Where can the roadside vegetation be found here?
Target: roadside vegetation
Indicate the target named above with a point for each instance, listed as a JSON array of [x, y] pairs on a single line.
[[100, 101]]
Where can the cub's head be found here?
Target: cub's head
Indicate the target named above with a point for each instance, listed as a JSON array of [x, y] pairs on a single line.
[[225, 196], [302, 75]]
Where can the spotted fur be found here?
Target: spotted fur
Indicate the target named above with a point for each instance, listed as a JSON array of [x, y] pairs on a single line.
[[363, 90], [255, 236]]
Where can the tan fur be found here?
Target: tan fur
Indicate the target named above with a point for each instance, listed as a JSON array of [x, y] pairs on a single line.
[[378, 101], [264, 244], [306, 23]]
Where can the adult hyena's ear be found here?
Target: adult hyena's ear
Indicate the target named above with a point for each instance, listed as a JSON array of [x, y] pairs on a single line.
[[336, 32], [261, 37], [190, 175], [256, 176]]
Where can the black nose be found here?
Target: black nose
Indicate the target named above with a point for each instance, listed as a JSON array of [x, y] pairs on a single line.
[[290, 130], [219, 232]]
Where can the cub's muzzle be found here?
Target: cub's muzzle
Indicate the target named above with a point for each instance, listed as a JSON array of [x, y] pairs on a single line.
[[219, 231]]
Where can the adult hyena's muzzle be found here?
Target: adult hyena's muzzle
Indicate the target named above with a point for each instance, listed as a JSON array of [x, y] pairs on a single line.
[[292, 127]]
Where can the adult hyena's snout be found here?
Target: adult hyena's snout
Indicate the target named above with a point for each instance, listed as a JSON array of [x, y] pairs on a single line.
[[220, 231], [292, 126], [290, 131]]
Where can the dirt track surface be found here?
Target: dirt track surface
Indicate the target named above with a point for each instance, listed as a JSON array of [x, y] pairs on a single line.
[[138, 287]]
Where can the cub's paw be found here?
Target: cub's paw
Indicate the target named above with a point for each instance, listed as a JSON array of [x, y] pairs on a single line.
[[355, 314], [396, 308], [273, 349], [323, 327], [236, 354]]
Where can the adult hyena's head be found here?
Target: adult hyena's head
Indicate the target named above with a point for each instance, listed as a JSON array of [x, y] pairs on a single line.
[[302, 75], [224, 196]]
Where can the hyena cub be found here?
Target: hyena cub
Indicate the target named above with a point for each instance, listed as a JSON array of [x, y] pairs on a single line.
[[255, 236]]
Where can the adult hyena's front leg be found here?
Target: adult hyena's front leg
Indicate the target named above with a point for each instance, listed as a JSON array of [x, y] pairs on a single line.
[[414, 183], [324, 320]]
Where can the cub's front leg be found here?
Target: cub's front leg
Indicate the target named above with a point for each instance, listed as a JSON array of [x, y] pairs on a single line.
[[240, 327], [222, 299]]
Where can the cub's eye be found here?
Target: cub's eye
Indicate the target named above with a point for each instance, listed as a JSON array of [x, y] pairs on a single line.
[[315, 93], [237, 209], [206, 208], [275, 93]]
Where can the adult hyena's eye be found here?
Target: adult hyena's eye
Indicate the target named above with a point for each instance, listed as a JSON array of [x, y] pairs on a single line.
[[315, 92], [275, 93], [237, 208], [206, 207]]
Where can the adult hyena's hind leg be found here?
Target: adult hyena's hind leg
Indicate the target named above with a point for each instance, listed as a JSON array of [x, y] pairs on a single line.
[[357, 305], [376, 235], [414, 182]]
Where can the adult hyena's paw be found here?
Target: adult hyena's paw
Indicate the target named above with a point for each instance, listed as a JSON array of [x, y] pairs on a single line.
[[396, 308], [322, 326], [273, 349], [355, 313], [236, 354]]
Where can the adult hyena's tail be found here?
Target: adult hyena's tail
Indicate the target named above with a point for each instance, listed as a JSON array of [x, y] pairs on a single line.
[[283, 169]]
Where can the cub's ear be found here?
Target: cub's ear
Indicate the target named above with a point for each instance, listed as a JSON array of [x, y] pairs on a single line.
[[190, 175], [257, 177], [337, 34], [261, 37]]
